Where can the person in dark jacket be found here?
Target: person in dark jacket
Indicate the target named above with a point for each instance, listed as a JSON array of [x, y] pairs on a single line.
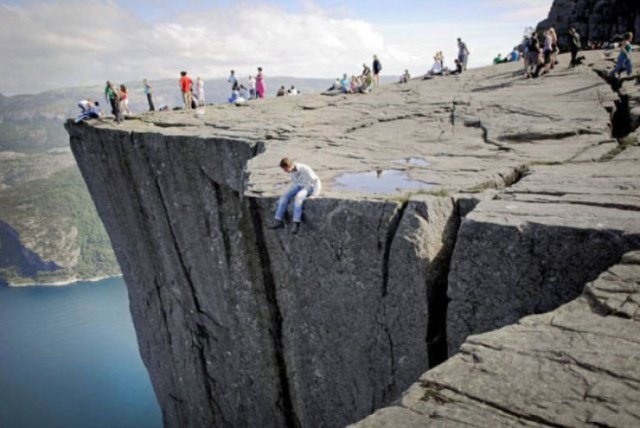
[[377, 68]]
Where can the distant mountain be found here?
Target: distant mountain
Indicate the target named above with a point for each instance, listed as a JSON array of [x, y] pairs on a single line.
[[50, 231]]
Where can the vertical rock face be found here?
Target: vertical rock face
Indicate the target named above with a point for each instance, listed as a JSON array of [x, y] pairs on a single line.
[[598, 20], [244, 326]]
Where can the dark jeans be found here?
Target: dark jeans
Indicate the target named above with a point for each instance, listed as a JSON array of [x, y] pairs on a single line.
[[574, 55], [114, 105], [150, 100]]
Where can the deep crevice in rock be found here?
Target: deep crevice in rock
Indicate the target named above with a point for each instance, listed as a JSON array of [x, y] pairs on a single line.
[[276, 330], [391, 234], [437, 299]]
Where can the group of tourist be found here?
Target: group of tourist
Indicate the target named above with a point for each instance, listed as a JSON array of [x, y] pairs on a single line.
[[439, 69], [256, 87], [192, 97], [118, 98], [540, 55], [362, 83], [287, 92], [513, 56]]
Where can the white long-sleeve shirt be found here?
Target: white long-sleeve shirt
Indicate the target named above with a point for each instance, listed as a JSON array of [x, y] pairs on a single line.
[[303, 175]]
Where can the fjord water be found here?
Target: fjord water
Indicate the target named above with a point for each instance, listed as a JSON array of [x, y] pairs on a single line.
[[69, 358]]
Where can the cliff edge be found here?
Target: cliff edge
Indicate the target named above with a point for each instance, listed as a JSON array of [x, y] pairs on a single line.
[[451, 207]]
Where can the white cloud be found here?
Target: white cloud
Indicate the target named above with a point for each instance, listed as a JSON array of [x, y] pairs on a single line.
[[64, 43], [521, 10]]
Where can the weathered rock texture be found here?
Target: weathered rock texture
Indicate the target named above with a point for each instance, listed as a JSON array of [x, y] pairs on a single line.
[[244, 326], [576, 366], [597, 20]]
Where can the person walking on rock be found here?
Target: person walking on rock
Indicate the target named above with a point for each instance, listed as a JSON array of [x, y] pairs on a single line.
[[185, 88], [304, 183], [575, 46], [148, 90], [624, 57], [377, 68]]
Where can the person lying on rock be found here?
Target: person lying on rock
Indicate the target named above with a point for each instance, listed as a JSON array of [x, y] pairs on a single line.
[[304, 183]]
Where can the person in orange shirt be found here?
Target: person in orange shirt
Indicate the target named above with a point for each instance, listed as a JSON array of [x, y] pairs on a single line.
[[185, 87]]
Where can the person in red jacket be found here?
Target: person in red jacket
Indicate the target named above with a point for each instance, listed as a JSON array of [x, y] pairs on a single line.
[[185, 87]]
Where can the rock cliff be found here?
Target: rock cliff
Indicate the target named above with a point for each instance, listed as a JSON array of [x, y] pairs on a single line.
[[451, 189], [575, 366], [597, 20]]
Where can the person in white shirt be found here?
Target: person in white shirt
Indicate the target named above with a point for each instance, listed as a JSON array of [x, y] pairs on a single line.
[[233, 79], [252, 87], [200, 89], [304, 183]]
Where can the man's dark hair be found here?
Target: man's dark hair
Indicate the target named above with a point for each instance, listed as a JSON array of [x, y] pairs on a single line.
[[183, 73], [285, 163]]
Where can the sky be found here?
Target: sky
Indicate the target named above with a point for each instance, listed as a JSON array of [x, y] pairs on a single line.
[[48, 45]]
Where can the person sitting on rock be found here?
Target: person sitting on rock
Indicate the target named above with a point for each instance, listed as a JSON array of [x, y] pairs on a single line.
[[304, 184], [281, 92], [345, 84], [366, 71], [436, 69], [405, 77], [88, 110]]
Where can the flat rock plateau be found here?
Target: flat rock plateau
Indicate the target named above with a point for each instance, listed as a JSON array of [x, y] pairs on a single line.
[[460, 221]]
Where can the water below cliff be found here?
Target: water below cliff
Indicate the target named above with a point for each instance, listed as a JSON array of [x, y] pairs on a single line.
[[69, 358]]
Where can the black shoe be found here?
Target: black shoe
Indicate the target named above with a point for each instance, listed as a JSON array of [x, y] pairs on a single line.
[[278, 224], [295, 229]]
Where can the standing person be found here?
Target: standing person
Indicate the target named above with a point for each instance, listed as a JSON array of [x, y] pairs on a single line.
[[463, 53], [200, 88], [547, 51], [111, 97], [252, 87], [232, 79], [304, 183], [114, 99], [148, 90], [533, 53], [575, 46], [123, 94], [261, 86], [554, 46], [377, 68], [185, 88], [624, 57]]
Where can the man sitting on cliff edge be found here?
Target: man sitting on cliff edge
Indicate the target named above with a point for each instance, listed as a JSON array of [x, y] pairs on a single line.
[[304, 183]]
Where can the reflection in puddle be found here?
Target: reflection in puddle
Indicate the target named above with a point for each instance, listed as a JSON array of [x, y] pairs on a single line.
[[387, 181], [414, 161]]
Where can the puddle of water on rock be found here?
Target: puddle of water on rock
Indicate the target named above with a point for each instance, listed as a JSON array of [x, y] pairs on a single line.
[[382, 181], [414, 161]]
